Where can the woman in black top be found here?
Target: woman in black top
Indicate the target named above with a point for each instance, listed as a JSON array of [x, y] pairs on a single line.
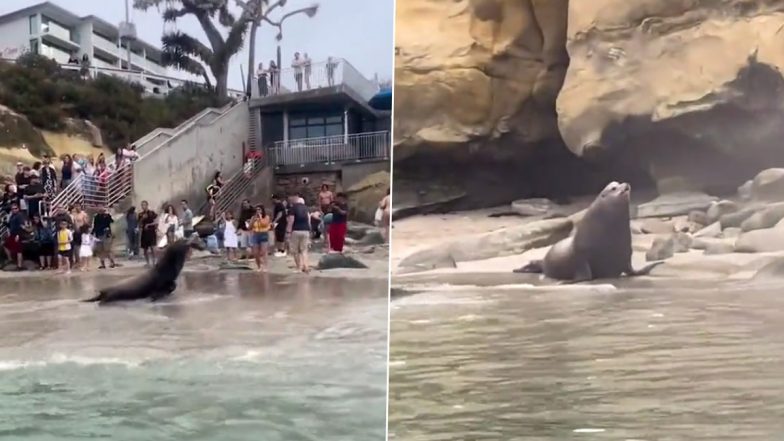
[[67, 171], [149, 236]]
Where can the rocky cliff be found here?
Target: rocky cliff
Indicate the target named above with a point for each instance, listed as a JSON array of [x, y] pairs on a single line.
[[535, 97]]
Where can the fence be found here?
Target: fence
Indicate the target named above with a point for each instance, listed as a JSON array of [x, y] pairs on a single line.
[[332, 149], [334, 72]]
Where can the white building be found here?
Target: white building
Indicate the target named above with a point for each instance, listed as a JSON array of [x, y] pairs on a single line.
[[55, 32]]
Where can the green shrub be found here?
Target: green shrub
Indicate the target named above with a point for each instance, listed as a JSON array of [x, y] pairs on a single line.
[[40, 89]]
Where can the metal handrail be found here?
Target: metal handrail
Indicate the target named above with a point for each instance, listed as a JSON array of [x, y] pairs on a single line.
[[333, 149]]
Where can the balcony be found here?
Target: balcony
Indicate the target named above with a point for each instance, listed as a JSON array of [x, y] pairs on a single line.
[[328, 74], [58, 35], [358, 147]]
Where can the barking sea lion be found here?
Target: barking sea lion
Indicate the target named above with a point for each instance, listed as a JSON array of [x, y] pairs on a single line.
[[601, 246], [158, 282]]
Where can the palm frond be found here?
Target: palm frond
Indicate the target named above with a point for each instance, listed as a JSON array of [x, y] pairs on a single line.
[[180, 42], [235, 40], [179, 60], [172, 14]]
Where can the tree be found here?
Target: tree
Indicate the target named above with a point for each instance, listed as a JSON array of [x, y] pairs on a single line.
[[187, 53], [260, 10]]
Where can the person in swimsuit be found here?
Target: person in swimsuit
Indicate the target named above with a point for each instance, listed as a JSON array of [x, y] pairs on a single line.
[[325, 198], [259, 226]]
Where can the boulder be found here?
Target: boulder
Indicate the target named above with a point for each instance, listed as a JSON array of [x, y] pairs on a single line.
[[335, 261], [766, 217], [761, 241], [653, 226], [506, 242], [675, 204], [719, 209], [698, 217], [373, 237], [723, 247], [745, 191], [768, 185], [731, 233], [364, 196], [534, 207], [712, 230], [661, 249], [682, 242], [735, 220]]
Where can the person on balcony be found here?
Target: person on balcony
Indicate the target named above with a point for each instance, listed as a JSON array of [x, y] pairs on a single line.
[[73, 59], [274, 75], [332, 64], [307, 66], [261, 80], [296, 64]]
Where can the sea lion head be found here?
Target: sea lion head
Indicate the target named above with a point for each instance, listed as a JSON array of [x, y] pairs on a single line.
[[614, 197]]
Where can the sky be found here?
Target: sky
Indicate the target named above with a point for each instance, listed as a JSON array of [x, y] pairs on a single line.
[[358, 30]]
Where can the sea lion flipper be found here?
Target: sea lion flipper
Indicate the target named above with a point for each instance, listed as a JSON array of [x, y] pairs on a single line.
[[97, 298], [164, 291], [644, 271], [532, 267]]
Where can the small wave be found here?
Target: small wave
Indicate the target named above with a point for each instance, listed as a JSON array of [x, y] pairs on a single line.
[[250, 355], [60, 359]]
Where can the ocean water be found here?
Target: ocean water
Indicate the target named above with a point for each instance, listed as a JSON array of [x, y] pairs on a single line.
[[639, 362], [230, 356]]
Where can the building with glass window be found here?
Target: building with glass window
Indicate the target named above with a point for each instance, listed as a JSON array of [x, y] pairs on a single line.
[[55, 32]]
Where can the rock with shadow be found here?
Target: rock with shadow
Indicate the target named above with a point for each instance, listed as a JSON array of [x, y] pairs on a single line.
[[337, 261]]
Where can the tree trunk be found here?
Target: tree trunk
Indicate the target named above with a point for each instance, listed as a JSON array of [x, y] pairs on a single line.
[[222, 82], [252, 56]]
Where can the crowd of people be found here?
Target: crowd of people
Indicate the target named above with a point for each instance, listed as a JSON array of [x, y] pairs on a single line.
[[268, 79]]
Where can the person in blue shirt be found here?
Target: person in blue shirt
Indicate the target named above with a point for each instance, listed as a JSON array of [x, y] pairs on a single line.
[[13, 243]]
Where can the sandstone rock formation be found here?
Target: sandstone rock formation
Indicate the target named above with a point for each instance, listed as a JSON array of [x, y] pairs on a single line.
[[365, 195], [681, 95]]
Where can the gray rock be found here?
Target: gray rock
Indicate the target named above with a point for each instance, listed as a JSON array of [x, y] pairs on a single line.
[[682, 242], [506, 242], [684, 225], [234, 266], [358, 231], [698, 217], [335, 261], [719, 209], [767, 217], [768, 185], [712, 230], [761, 241], [731, 233], [373, 237], [717, 248], [675, 204], [731, 220], [704, 243], [661, 249]]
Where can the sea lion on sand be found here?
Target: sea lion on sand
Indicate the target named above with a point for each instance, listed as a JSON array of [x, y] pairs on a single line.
[[158, 282], [601, 246]]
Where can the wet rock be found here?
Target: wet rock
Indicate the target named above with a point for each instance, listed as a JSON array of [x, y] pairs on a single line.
[[234, 266], [768, 185], [712, 230], [767, 217], [373, 237], [698, 217], [535, 207], [682, 242], [662, 248], [719, 209], [506, 242], [358, 231], [684, 225], [654, 226], [675, 204], [731, 220], [335, 261], [760, 241]]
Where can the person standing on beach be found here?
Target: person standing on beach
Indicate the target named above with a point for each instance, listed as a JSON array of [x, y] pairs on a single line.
[[187, 220], [102, 236], [385, 216], [79, 218], [246, 212], [148, 226], [259, 228], [338, 227], [132, 232], [299, 233], [279, 220], [64, 239]]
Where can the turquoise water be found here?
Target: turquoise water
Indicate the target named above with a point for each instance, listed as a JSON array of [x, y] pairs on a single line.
[[230, 357]]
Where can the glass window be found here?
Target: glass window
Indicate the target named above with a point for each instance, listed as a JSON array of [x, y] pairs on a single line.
[[32, 25], [315, 120], [316, 131], [335, 119], [34, 46], [298, 132], [297, 122], [334, 129]]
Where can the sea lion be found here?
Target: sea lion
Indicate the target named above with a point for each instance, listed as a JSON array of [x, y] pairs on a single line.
[[601, 246], [155, 284]]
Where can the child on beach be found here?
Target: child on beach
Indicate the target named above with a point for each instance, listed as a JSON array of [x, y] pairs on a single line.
[[86, 249], [64, 239], [230, 240]]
